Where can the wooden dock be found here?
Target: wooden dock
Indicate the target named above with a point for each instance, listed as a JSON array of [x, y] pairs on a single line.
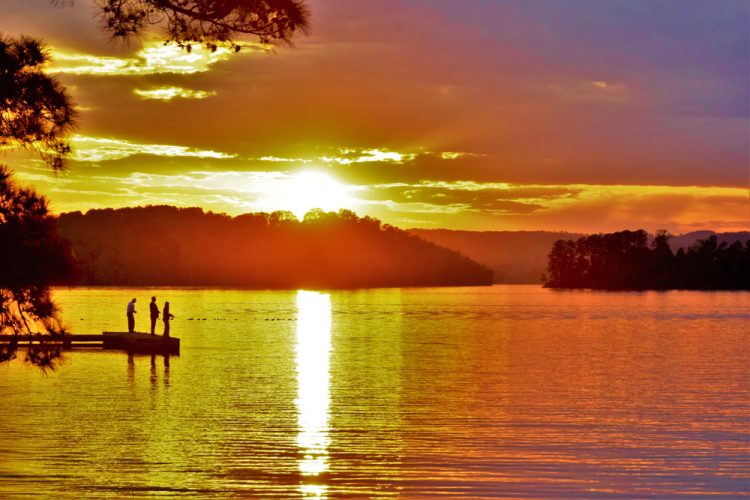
[[131, 342]]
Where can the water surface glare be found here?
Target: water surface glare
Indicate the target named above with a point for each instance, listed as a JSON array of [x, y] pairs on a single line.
[[504, 391]]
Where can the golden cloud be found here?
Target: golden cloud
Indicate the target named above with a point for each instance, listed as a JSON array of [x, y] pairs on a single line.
[[169, 93], [154, 58], [277, 159], [462, 204], [349, 156], [87, 148], [535, 201]]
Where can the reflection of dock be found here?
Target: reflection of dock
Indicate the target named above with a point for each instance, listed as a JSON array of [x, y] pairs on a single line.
[[135, 342]]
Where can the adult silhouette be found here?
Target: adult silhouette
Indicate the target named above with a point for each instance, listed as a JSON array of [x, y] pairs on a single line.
[[154, 311], [131, 316], [166, 317]]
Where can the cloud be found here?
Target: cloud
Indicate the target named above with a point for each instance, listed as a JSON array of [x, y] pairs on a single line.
[[277, 159], [585, 116], [651, 208], [169, 93], [233, 192], [154, 58], [95, 149], [459, 205], [499, 198], [350, 156], [574, 207], [524, 127]]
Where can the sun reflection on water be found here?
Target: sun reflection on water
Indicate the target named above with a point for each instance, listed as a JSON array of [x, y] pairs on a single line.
[[313, 381]]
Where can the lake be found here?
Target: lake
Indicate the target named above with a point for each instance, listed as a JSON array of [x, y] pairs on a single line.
[[503, 391]]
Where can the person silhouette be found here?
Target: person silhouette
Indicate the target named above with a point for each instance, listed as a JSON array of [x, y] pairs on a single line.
[[131, 316], [154, 314], [166, 317]]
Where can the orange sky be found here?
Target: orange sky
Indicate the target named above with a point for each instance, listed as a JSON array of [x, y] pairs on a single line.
[[570, 115]]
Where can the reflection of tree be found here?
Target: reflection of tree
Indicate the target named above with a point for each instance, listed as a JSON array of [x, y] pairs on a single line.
[[46, 357], [626, 261], [207, 22], [8, 351]]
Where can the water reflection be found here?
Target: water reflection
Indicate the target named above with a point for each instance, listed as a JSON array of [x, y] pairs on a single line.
[[153, 377], [131, 368], [428, 393], [313, 350], [46, 356]]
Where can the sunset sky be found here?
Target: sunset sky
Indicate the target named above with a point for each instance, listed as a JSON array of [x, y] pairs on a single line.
[[468, 114]]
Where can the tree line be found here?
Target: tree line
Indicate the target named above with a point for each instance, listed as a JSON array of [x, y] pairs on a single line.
[[626, 260], [170, 246]]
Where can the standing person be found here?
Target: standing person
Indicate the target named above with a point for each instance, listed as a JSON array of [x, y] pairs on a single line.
[[154, 314], [166, 317], [131, 316]]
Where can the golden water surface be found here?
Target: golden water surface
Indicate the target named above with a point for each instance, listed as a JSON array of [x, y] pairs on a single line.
[[505, 391]]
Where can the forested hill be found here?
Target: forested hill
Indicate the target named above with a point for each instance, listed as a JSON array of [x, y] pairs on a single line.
[[164, 245]]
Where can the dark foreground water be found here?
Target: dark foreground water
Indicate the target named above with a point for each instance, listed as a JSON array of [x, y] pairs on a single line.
[[508, 391]]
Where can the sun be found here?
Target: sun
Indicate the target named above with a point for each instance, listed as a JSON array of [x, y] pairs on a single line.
[[303, 191]]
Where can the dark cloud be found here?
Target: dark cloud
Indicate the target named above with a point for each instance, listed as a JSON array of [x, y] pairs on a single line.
[[521, 200]]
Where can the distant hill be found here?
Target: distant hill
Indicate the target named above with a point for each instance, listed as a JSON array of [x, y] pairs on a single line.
[[514, 256], [521, 256], [164, 245], [689, 239]]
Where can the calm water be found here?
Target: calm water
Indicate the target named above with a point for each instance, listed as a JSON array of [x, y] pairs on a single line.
[[508, 391]]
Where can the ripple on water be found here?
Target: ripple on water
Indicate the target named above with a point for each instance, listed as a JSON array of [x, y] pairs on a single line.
[[508, 391]]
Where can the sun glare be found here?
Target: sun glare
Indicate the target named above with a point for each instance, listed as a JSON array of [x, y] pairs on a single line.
[[305, 191], [313, 388]]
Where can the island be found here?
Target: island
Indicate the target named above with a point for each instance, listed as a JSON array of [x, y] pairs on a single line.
[[626, 260]]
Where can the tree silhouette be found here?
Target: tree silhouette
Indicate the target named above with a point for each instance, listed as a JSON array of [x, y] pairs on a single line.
[[35, 110], [625, 261], [206, 22], [32, 255], [35, 113]]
